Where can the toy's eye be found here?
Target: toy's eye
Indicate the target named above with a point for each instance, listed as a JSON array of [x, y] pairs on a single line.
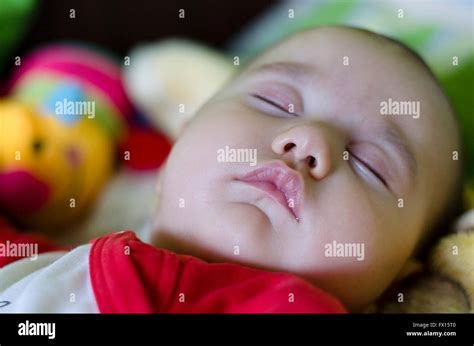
[[37, 146]]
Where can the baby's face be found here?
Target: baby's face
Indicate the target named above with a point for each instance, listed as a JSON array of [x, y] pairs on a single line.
[[340, 193]]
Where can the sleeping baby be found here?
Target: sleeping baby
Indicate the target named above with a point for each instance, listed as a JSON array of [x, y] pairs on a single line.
[[306, 184]]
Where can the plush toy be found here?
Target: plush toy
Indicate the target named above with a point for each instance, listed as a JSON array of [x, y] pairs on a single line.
[[160, 78], [170, 80], [65, 114], [446, 282]]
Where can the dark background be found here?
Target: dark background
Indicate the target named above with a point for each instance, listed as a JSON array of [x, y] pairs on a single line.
[[119, 25]]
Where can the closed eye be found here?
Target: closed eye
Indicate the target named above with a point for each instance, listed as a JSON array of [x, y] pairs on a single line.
[[368, 167], [274, 104]]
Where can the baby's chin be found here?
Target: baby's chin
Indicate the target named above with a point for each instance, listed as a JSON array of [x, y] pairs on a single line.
[[260, 248]]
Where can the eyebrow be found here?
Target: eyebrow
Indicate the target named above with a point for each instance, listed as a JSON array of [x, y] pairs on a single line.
[[291, 70], [394, 137]]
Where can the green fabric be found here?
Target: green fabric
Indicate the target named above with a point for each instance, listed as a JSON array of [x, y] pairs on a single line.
[[327, 13], [14, 16], [459, 85], [419, 38]]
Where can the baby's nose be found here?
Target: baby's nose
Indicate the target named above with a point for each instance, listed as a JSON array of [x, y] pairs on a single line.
[[308, 146]]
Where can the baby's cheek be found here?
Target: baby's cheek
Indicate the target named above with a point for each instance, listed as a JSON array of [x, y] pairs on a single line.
[[386, 255], [362, 242]]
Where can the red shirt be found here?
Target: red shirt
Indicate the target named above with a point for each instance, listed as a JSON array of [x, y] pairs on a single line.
[[130, 276]]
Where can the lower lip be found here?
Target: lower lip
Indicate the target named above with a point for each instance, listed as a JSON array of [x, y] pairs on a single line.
[[271, 190]]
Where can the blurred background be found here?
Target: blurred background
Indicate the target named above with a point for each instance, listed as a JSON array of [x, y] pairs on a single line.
[[120, 25]]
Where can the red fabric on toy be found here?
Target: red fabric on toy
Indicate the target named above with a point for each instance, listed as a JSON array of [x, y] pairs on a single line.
[[129, 276], [146, 147]]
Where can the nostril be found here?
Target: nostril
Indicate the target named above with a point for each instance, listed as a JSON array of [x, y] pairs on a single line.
[[311, 161], [288, 147]]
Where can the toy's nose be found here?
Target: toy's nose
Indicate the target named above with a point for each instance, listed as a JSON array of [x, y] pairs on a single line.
[[21, 193]]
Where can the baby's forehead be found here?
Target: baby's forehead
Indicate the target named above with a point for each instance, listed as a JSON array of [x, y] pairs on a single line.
[[348, 56], [334, 41], [334, 53]]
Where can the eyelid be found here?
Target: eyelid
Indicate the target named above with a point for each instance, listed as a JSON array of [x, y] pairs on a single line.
[[274, 104], [280, 95], [370, 168], [363, 165]]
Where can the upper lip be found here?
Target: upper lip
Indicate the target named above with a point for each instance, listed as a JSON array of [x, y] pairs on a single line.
[[288, 184]]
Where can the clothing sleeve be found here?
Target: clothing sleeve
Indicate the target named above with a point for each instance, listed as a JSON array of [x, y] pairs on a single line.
[[52, 282], [37, 276]]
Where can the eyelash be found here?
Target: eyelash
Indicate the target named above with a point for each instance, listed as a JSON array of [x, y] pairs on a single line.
[[369, 168], [273, 104]]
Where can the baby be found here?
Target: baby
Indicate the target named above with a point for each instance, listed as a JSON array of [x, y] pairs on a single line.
[[325, 165], [331, 168]]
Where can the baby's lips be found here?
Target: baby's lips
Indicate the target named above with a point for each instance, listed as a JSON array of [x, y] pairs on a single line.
[[284, 179]]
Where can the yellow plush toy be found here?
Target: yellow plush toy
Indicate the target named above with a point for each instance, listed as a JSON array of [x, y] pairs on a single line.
[[446, 283], [453, 258], [59, 128], [49, 172]]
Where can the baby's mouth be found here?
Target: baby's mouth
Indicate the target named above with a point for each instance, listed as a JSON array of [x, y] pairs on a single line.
[[280, 183]]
